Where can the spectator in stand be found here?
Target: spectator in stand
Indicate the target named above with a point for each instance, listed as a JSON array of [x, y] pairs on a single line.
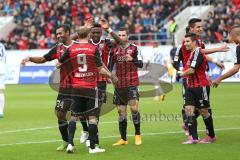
[[38, 19]]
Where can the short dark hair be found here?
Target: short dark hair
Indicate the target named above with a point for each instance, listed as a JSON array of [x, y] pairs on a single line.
[[187, 29], [192, 21], [193, 36], [96, 25], [65, 27], [124, 29]]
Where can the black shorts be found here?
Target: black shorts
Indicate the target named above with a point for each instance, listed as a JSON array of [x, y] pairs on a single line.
[[63, 102], [123, 95], [85, 105], [102, 96], [198, 97]]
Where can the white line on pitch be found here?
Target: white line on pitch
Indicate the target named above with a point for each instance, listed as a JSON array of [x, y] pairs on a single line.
[[106, 122], [115, 136]]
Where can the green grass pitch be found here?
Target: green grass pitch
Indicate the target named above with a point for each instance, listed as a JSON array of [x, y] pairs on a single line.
[[29, 129]]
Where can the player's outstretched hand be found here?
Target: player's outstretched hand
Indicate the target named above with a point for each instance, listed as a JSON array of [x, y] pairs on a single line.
[[24, 61], [104, 24], [114, 79], [220, 65], [224, 48], [216, 83]]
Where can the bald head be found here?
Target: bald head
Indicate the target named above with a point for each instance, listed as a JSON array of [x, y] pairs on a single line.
[[234, 35]]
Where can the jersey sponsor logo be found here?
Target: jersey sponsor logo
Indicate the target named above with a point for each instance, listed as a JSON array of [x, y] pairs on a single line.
[[81, 49], [81, 75], [121, 58]]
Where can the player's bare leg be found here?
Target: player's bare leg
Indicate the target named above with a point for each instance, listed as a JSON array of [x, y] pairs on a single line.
[[122, 120], [134, 105]]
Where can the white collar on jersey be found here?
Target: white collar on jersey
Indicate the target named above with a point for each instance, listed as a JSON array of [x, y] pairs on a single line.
[[96, 44]]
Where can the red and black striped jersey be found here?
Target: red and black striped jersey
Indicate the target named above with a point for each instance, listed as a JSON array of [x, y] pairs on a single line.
[[183, 55], [81, 61], [55, 53], [127, 72], [198, 62], [104, 49]]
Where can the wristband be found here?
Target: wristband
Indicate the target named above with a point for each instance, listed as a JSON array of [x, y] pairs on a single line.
[[109, 30]]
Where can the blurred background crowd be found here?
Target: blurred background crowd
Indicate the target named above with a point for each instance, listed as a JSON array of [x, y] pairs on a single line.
[[37, 19]]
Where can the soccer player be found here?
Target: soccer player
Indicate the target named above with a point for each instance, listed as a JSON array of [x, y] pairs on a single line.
[[84, 63], [104, 46], [182, 55], [63, 101], [127, 59], [234, 36], [197, 89], [2, 78], [158, 58]]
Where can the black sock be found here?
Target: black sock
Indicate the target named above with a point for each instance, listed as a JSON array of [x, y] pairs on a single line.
[[123, 128], [209, 125], [72, 129], [84, 124], [192, 123], [136, 122], [63, 128], [196, 113], [93, 130], [184, 116], [210, 111]]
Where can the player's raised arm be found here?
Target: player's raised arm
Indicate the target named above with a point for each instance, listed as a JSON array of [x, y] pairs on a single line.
[[105, 25]]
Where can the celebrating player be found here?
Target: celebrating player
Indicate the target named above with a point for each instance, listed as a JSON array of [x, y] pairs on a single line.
[[195, 26], [63, 101], [234, 36], [127, 59], [197, 90], [84, 62]]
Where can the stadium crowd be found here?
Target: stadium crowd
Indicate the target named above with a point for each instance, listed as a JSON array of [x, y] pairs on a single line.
[[37, 20], [219, 21]]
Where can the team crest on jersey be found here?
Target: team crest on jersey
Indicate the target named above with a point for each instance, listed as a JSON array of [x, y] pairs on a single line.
[[129, 51]]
